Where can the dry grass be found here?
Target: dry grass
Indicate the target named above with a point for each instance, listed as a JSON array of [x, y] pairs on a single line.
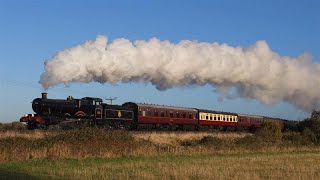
[[295, 165], [174, 138], [101, 154], [36, 134], [100, 143], [168, 138], [78, 144]]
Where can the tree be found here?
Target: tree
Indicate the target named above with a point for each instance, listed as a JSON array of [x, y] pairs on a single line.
[[311, 127]]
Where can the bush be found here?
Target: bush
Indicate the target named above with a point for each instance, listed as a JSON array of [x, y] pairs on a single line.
[[96, 141], [18, 126], [310, 136], [209, 140], [251, 142], [270, 132], [87, 142], [205, 141], [14, 126], [297, 138], [311, 127]]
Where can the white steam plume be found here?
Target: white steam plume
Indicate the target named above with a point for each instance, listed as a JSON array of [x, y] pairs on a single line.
[[254, 72]]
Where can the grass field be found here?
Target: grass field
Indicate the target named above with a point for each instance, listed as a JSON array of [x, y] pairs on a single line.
[[95, 153], [279, 165]]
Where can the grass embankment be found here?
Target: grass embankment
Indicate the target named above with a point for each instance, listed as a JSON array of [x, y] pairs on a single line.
[[101, 143], [93, 153], [293, 165]]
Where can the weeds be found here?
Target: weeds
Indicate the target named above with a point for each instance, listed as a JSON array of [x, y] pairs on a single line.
[[89, 142], [14, 126], [95, 143]]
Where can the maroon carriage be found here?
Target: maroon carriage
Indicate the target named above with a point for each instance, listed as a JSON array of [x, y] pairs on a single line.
[[249, 121], [163, 117]]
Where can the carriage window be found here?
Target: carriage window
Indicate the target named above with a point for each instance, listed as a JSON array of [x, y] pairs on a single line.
[[211, 117], [156, 113], [162, 114], [149, 113], [171, 114], [219, 118], [178, 115], [190, 115], [140, 112], [215, 118], [143, 113], [206, 116], [184, 115], [224, 118]]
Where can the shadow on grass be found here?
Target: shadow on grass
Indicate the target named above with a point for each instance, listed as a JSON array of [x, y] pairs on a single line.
[[9, 174]]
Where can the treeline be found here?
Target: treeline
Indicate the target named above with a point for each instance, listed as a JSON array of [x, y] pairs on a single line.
[[310, 128]]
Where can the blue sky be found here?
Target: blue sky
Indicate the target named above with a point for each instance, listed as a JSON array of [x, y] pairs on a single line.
[[34, 31]]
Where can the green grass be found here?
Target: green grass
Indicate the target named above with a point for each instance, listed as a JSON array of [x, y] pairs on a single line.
[[257, 165]]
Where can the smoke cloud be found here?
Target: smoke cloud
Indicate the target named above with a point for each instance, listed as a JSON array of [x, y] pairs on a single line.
[[251, 72]]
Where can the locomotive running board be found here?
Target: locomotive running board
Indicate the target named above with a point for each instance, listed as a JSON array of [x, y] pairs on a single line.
[[71, 120]]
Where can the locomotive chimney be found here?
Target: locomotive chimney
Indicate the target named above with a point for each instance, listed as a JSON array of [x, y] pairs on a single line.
[[44, 95]]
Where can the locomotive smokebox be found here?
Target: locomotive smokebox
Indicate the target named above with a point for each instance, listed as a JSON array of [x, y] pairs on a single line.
[[44, 95]]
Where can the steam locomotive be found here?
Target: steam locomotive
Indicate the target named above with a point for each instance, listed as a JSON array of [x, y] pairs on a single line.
[[90, 111], [87, 111]]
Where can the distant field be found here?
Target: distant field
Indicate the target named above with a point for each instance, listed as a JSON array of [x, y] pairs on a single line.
[[279, 165]]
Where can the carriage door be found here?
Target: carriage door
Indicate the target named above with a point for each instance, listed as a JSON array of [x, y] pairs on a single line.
[[98, 113]]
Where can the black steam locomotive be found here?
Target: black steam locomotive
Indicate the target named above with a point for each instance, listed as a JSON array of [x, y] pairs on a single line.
[[87, 111]]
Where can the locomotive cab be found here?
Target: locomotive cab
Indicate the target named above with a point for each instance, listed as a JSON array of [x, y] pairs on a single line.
[[93, 101]]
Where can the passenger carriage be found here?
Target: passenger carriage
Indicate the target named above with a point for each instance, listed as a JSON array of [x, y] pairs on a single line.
[[164, 117], [217, 119]]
